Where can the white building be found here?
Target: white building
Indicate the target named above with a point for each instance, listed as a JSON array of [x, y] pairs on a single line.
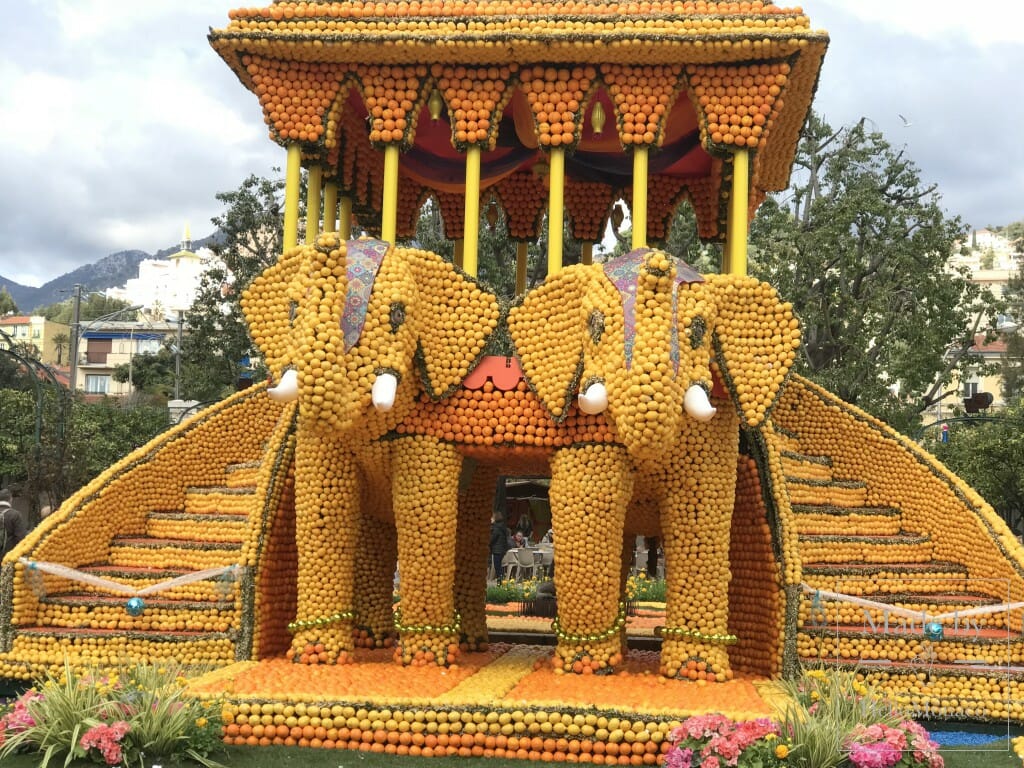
[[167, 286]]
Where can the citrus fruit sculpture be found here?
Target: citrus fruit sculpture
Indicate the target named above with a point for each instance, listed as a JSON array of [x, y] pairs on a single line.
[[262, 535]]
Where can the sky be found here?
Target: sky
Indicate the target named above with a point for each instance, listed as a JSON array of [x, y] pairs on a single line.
[[119, 124]]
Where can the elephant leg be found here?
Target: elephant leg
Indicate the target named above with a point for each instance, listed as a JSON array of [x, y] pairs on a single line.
[[375, 583], [590, 489], [326, 526], [425, 497], [472, 552], [696, 521]]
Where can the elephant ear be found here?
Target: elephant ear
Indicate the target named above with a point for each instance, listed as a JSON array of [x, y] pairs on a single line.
[[755, 341], [548, 329], [270, 304], [452, 319]]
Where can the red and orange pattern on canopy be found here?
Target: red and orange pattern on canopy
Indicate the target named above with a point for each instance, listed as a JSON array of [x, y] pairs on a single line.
[[692, 80]]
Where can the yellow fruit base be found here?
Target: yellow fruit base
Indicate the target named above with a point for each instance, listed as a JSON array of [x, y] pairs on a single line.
[[504, 702]]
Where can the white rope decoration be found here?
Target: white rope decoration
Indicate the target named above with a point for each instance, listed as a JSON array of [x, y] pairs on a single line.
[[898, 611], [114, 586]]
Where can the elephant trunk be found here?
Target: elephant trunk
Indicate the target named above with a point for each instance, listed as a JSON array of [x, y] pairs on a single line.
[[648, 417]]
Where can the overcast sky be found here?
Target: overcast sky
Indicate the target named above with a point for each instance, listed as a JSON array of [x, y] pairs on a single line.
[[119, 124]]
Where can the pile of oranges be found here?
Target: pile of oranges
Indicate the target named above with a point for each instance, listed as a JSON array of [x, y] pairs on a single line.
[[475, 97], [523, 197], [738, 101], [642, 97], [392, 96], [588, 204], [555, 95]]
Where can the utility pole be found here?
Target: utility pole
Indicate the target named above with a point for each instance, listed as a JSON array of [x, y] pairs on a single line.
[[74, 336]]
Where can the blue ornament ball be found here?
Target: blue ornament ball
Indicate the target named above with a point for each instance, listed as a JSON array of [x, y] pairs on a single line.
[[933, 630], [136, 606]]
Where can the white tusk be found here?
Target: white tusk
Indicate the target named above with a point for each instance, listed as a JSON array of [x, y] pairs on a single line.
[[697, 405], [595, 399], [287, 389], [383, 393]]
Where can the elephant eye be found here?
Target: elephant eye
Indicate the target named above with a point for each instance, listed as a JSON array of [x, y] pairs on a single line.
[[697, 330], [397, 316], [293, 311], [596, 325]]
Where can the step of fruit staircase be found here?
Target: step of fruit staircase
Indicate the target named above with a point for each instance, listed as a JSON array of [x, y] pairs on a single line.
[[873, 579], [903, 547], [208, 526], [96, 611], [160, 552], [830, 518], [222, 500], [243, 475], [840, 612], [839, 493], [806, 467]]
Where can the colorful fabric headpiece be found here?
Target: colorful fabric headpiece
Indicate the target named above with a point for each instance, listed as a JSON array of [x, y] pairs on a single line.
[[361, 266], [624, 272]]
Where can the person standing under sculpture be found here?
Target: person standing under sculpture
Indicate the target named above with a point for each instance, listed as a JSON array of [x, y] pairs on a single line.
[[499, 543], [12, 523]]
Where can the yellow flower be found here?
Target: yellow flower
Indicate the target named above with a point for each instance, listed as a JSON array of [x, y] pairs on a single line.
[[201, 722], [781, 751]]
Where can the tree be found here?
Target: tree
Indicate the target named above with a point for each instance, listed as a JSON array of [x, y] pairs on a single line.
[[7, 303], [861, 247], [152, 373], [61, 343], [1012, 362], [92, 305], [217, 348], [988, 454]]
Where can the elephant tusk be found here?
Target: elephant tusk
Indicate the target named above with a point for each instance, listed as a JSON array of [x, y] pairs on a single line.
[[287, 389], [697, 405], [383, 393], [595, 399]]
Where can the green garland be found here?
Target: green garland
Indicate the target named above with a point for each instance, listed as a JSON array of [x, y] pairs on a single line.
[[614, 629], [323, 621], [724, 639], [445, 629]]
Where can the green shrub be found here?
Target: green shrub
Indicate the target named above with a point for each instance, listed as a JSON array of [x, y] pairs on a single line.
[[112, 718]]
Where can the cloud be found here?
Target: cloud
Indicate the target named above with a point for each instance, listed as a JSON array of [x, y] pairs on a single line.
[[119, 124]]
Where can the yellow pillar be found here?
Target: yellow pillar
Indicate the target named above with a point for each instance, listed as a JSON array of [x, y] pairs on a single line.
[[736, 234], [389, 209], [292, 184], [471, 229], [522, 251], [556, 208], [586, 253], [314, 181], [331, 206], [345, 218], [639, 211], [459, 252]]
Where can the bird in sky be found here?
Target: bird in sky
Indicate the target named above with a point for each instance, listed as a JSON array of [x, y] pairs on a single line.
[[906, 123]]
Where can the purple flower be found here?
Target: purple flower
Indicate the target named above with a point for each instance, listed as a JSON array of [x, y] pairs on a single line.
[[679, 758]]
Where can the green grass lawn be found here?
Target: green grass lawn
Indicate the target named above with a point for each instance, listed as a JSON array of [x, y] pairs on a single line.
[[297, 757]]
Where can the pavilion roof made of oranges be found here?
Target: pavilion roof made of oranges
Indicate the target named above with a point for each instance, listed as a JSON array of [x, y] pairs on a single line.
[[691, 80]]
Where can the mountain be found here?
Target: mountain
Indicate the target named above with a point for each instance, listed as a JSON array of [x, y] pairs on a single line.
[[111, 271]]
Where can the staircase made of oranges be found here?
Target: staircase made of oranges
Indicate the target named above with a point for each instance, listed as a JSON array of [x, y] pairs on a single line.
[[184, 503], [869, 516]]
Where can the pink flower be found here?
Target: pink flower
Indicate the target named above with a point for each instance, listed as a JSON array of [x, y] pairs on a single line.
[[19, 718], [880, 754], [106, 739]]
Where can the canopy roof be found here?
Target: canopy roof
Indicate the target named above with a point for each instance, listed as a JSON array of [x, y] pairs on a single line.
[[691, 80]]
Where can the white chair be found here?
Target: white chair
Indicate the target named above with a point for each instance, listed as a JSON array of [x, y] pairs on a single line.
[[527, 561], [509, 565]]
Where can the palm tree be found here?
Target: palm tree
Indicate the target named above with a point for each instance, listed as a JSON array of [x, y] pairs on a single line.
[[61, 342]]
